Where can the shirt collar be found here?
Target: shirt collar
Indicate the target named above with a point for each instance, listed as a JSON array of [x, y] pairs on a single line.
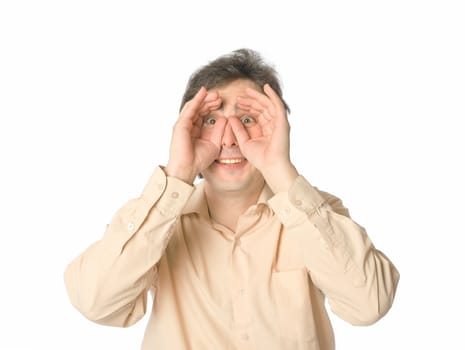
[[197, 202]]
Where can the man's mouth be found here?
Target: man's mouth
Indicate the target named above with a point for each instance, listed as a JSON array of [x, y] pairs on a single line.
[[230, 160]]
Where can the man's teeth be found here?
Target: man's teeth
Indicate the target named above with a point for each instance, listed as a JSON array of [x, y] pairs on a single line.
[[230, 161]]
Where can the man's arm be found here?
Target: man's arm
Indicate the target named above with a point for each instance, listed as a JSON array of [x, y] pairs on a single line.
[[108, 282], [359, 281]]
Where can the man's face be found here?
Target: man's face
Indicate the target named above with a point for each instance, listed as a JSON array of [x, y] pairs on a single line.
[[231, 171]]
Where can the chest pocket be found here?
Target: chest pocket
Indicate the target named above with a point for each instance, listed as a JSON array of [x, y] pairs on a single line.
[[294, 305]]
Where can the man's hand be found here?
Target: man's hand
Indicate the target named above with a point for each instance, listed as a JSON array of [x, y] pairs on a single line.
[[190, 154], [269, 153]]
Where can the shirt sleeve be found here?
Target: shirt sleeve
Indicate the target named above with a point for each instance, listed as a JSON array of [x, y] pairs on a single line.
[[108, 282], [359, 281]]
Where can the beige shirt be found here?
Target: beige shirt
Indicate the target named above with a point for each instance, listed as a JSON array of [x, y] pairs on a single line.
[[260, 287]]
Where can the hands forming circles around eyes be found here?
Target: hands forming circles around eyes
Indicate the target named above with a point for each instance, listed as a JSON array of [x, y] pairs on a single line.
[[253, 107], [259, 125], [268, 112], [189, 153]]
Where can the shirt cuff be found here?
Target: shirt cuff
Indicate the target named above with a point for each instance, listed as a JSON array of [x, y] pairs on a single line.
[[169, 193], [304, 196], [301, 200], [174, 198], [154, 187]]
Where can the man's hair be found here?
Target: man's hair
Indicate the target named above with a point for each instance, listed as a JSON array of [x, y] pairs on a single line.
[[239, 64]]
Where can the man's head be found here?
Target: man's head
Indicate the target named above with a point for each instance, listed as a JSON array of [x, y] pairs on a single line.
[[239, 64], [231, 171]]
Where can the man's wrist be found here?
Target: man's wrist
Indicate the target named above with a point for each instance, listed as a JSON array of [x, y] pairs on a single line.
[[280, 177], [180, 173]]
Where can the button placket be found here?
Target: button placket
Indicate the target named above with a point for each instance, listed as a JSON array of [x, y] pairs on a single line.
[[241, 311]]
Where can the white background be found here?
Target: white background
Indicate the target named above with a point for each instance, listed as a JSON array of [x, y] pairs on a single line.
[[89, 91]]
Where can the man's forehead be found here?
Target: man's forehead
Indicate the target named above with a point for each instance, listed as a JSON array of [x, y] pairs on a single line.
[[238, 85]]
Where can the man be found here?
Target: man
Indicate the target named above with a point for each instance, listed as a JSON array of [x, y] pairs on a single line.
[[246, 258]]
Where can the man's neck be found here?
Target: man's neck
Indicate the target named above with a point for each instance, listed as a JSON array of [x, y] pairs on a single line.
[[226, 207]]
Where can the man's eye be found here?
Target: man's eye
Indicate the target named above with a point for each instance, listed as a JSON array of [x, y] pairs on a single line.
[[209, 121], [246, 120]]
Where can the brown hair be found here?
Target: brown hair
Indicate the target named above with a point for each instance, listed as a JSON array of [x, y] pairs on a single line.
[[239, 64]]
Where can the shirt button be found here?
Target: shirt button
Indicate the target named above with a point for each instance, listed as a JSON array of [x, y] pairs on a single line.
[[241, 291], [245, 337], [238, 243], [298, 202], [174, 195], [130, 226], [287, 211]]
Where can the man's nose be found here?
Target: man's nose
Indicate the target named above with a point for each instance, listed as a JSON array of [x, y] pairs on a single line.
[[229, 139]]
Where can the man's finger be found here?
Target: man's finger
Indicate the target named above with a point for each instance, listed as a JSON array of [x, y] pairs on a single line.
[[239, 131], [209, 106], [274, 97], [259, 97], [218, 131], [190, 109], [247, 103], [272, 94]]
